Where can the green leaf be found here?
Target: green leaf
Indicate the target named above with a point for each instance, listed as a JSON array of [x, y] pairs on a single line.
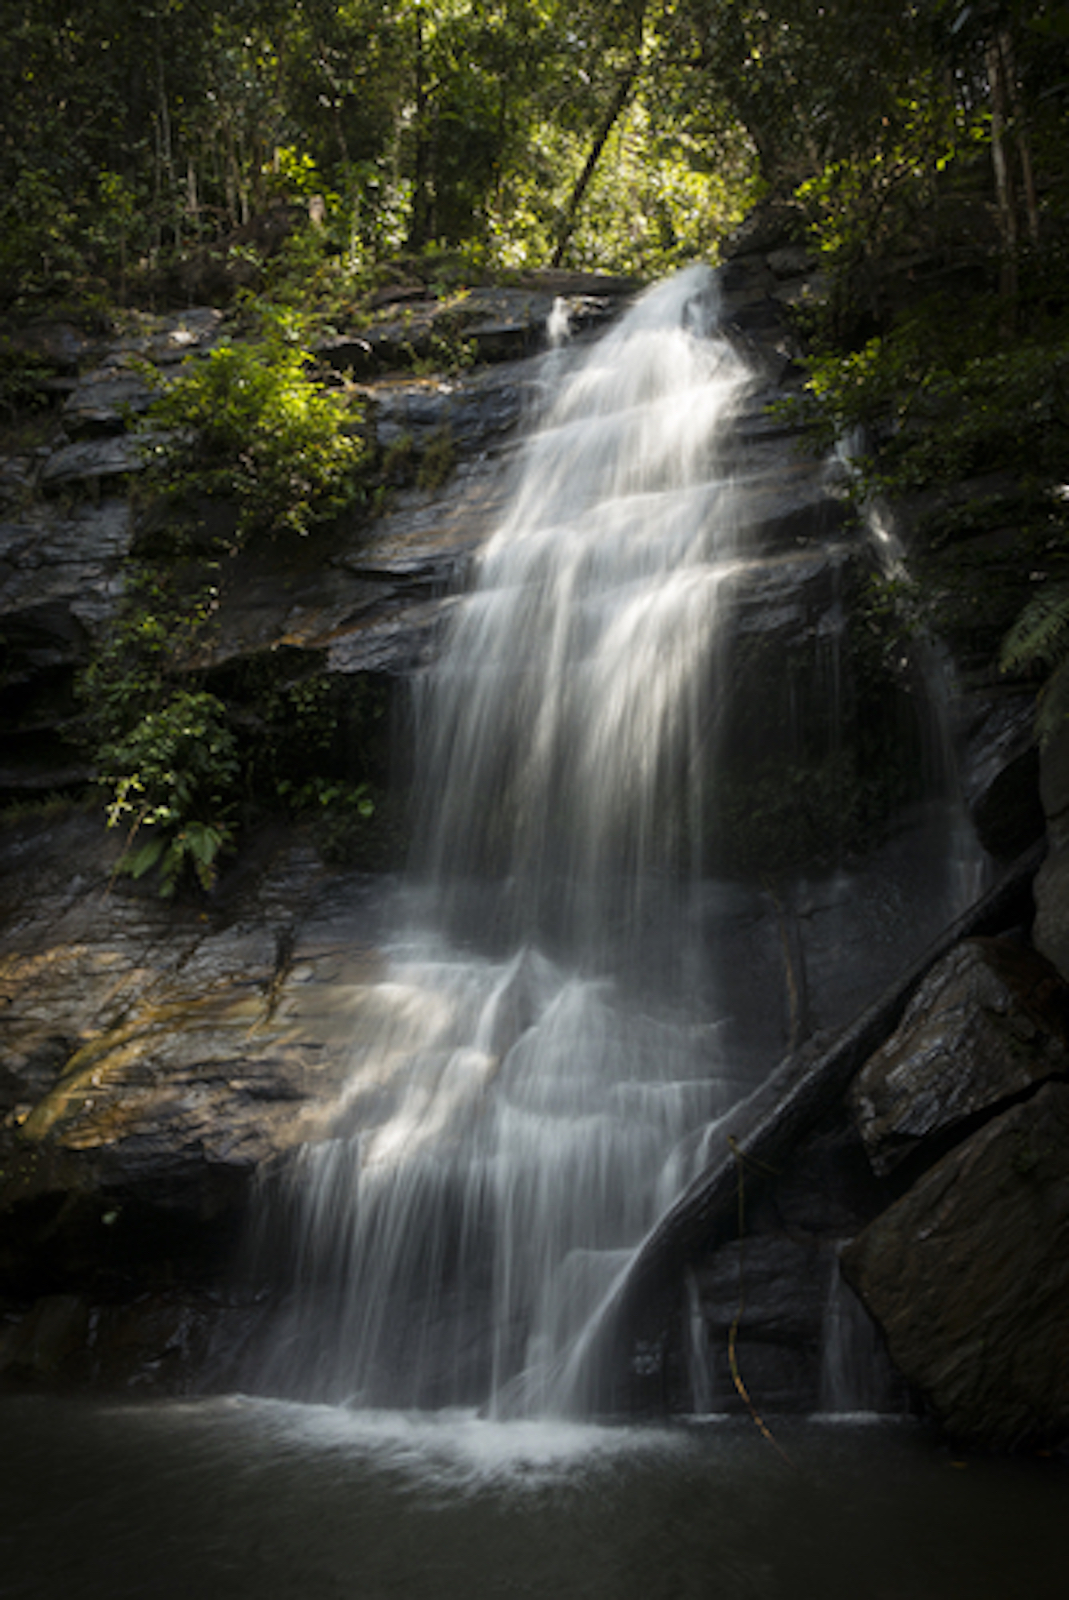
[[202, 841], [146, 858], [1040, 636]]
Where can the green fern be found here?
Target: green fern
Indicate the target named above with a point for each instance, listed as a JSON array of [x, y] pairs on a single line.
[[1040, 635]]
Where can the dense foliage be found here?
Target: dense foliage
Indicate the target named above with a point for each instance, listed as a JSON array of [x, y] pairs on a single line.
[[628, 133], [167, 753], [244, 444], [133, 133], [186, 759], [249, 423]]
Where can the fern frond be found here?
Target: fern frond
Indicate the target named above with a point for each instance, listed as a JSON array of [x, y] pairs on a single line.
[[1040, 635]]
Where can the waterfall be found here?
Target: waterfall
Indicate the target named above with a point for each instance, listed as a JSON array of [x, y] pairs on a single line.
[[568, 722], [536, 1065]]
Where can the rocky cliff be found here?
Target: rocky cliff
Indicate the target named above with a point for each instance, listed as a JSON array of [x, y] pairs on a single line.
[[158, 1058]]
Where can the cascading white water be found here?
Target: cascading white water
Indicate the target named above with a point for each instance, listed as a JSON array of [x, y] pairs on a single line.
[[570, 715], [531, 1067]]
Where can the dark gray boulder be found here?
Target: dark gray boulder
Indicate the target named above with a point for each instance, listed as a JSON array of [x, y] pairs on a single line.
[[771, 1290], [91, 460], [968, 1276], [989, 1022]]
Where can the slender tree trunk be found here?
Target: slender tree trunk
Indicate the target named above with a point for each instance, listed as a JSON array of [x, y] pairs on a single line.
[[192, 198], [323, 63], [1030, 200], [575, 199], [157, 186], [166, 152], [502, 141], [231, 178], [1005, 196], [419, 230], [1020, 132]]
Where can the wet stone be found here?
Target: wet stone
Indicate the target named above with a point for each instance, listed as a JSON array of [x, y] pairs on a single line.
[[92, 459], [773, 1292], [968, 1276], [988, 1023], [103, 401], [160, 1055], [496, 323], [75, 558], [477, 411], [1000, 771], [168, 338]]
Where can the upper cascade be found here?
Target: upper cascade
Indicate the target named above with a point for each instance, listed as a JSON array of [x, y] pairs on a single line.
[[567, 727]]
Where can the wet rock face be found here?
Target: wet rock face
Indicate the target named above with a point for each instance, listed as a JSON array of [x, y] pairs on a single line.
[[155, 1057], [968, 1275], [167, 1342], [1051, 933], [490, 323], [767, 1302], [66, 531], [988, 1023], [778, 1318], [1000, 773], [364, 594], [60, 576], [967, 1272]]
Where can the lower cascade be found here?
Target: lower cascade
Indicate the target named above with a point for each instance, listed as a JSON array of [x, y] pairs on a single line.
[[537, 1068]]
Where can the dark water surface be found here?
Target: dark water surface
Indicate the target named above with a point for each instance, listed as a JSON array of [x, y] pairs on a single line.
[[235, 1497]]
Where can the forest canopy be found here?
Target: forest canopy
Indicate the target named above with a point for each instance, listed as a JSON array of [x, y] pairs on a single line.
[[623, 134]]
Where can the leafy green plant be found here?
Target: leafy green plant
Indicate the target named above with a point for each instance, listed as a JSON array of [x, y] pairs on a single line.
[[1038, 641], [1040, 636], [38, 249], [445, 352], [398, 465], [248, 423], [186, 757], [939, 399], [174, 773], [165, 750], [162, 613]]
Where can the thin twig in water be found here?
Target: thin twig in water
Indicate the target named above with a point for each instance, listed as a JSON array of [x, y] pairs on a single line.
[[733, 1361]]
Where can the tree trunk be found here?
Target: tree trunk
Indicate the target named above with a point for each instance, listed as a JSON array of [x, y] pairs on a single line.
[[419, 230], [1005, 196], [575, 200], [1020, 133]]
